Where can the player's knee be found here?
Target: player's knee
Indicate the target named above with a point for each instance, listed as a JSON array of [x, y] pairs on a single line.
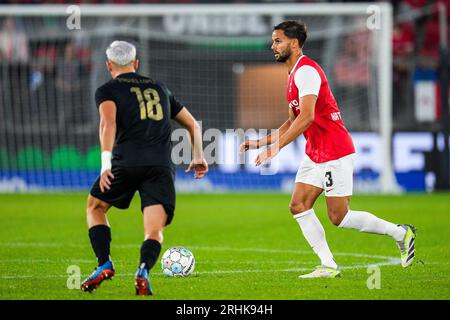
[[156, 234], [336, 216], [298, 207], [96, 206]]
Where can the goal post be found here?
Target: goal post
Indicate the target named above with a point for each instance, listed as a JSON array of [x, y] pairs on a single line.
[[215, 57]]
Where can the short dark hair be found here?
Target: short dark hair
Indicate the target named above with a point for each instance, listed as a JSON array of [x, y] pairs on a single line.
[[294, 30]]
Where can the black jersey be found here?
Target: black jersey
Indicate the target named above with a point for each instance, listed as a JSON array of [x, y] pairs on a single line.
[[145, 108]]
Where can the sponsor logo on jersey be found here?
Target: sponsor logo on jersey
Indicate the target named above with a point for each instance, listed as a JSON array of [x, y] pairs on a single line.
[[335, 116], [293, 104]]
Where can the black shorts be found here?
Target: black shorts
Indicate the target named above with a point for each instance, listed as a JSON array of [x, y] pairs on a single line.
[[155, 186]]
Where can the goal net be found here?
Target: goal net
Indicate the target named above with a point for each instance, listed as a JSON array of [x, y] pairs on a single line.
[[216, 59]]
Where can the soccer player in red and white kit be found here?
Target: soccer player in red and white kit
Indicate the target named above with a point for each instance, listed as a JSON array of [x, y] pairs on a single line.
[[328, 163]]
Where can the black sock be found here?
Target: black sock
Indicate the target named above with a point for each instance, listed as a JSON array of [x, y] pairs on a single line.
[[100, 236], [150, 250]]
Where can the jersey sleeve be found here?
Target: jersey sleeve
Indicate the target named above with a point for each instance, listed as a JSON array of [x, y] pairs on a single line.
[[175, 106], [102, 94], [308, 81]]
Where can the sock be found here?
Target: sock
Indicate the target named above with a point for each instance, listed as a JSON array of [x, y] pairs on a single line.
[[150, 250], [367, 222], [100, 236], [315, 235]]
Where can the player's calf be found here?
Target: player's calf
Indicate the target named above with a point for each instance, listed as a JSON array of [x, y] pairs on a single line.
[[337, 208]]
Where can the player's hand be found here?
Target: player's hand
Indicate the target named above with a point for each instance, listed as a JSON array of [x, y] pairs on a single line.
[[105, 180], [266, 155], [247, 145], [200, 168]]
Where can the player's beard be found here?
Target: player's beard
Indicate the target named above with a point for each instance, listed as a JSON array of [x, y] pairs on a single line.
[[284, 55]]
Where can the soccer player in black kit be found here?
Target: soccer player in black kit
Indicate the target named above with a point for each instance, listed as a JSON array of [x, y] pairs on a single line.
[[135, 130]]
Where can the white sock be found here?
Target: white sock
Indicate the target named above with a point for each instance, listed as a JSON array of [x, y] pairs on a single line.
[[315, 235], [367, 222]]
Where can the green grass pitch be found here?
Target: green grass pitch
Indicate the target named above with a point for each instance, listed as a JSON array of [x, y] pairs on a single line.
[[246, 246]]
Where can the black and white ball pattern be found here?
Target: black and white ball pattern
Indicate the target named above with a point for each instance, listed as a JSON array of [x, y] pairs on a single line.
[[177, 262]]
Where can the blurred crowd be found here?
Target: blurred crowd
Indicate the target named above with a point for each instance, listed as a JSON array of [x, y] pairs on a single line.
[[49, 69], [415, 47], [414, 40], [412, 37]]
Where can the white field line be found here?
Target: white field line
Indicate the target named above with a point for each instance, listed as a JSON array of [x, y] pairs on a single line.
[[204, 261], [388, 260], [48, 261], [394, 261], [263, 250], [260, 250]]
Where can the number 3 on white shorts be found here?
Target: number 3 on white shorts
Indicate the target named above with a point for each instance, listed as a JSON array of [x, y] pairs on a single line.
[[329, 182]]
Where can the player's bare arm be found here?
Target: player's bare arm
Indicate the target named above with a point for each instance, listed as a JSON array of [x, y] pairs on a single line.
[[298, 126], [302, 122], [107, 132], [198, 163], [270, 138]]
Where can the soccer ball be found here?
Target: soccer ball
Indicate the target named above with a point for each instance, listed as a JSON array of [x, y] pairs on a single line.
[[177, 262]]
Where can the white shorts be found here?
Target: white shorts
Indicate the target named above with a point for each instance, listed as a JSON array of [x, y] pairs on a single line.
[[335, 177]]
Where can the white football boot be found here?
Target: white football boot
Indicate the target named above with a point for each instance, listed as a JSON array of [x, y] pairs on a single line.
[[406, 246], [322, 272]]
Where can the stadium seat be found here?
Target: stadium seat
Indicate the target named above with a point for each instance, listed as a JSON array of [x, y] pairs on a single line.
[[66, 158], [92, 158], [31, 158]]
